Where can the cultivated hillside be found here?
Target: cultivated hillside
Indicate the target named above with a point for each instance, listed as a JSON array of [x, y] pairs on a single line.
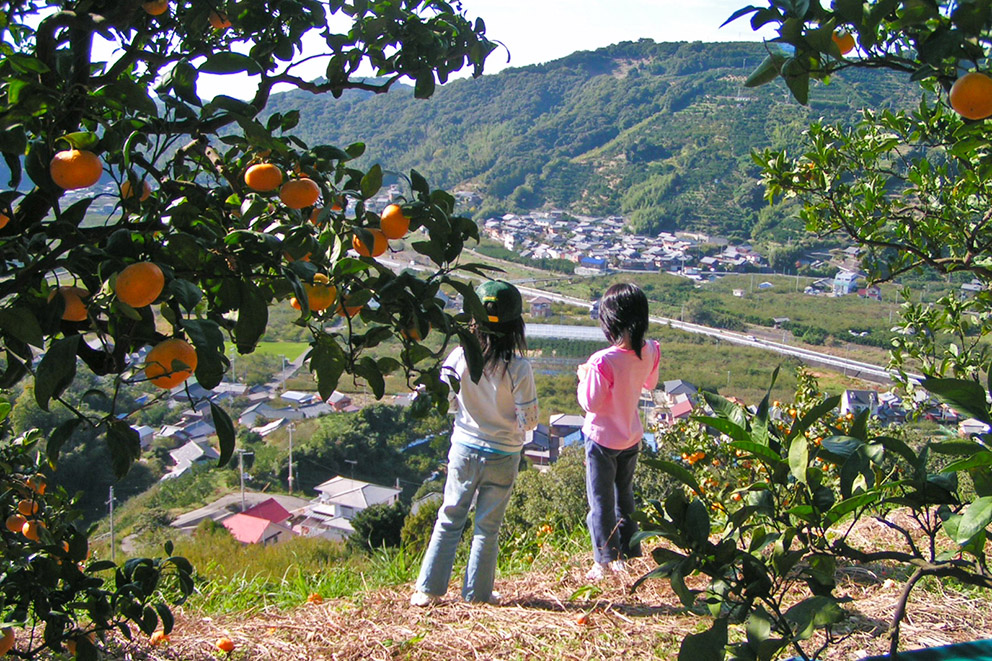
[[660, 133]]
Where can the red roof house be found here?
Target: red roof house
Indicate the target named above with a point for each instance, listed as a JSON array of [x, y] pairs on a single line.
[[270, 510], [249, 529]]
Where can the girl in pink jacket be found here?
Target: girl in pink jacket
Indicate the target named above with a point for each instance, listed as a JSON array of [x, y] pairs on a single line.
[[610, 384]]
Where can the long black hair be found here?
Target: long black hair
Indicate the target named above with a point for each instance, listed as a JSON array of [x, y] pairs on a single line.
[[500, 341], [623, 313]]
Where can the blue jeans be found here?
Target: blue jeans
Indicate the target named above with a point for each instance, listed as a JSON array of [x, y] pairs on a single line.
[[610, 491], [488, 478]]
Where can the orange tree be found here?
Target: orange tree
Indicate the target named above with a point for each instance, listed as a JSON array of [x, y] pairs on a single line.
[[114, 158]]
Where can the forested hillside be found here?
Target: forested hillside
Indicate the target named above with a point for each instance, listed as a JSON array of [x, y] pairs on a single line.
[[660, 133]]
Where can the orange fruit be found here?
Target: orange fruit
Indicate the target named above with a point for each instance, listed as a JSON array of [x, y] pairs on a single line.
[[394, 224], [38, 484], [295, 302], [348, 310], [127, 192], [315, 598], [971, 95], [379, 244], [74, 168], [7, 641], [75, 309], [218, 20], [156, 7], [412, 332], [582, 619], [170, 362], [27, 507], [4, 219], [263, 177], [299, 193], [224, 644], [320, 296], [15, 522], [30, 529], [314, 215], [158, 637], [139, 284], [844, 41]]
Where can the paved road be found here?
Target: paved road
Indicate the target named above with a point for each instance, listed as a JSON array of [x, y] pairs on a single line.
[[853, 368]]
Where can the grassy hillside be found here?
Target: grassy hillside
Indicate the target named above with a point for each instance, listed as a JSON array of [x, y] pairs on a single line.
[[658, 132]]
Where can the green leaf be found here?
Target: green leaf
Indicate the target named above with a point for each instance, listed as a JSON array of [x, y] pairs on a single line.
[[22, 324], [813, 613], [722, 425], [58, 438], [125, 446], [372, 181], [813, 415], [224, 62], [85, 140], [710, 645], [697, 522], [974, 519], [978, 460], [225, 433], [369, 370], [673, 469], [327, 361], [848, 505], [799, 458], [766, 72], [56, 370], [963, 394], [761, 451], [424, 87], [253, 316]]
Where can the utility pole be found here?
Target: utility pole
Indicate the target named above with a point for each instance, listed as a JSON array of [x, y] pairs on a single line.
[[241, 473], [352, 463], [291, 459], [113, 545]]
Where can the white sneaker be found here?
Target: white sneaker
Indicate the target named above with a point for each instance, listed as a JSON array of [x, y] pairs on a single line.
[[419, 598], [495, 598], [597, 572], [618, 567]]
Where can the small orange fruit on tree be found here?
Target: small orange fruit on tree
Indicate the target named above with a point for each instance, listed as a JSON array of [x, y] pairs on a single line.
[[170, 362], [844, 41], [38, 484], [263, 177], [27, 507], [4, 219], [75, 309], [320, 296], [30, 529], [158, 637], [127, 191], [295, 303], [156, 7], [971, 95], [75, 168], [6, 641], [394, 223], [15, 522], [299, 193], [224, 644], [218, 20], [379, 244], [139, 284]]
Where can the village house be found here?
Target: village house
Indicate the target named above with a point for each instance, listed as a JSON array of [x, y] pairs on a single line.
[[856, 401], [339, 499], [540, 307], [265, 523]]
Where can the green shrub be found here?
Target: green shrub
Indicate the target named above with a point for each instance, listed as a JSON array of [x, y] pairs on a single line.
[[378, 526]]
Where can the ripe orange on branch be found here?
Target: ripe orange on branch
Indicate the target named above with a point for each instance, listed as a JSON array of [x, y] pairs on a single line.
[[75, 168], [4, 219], [30, 530], [139, 284], [156, 7], [75, 309], [394, 224], [6, 641], [170, 362], [379, 244], [263, 177], [127, 191], [15, 522], [844, 41], [299, 193], [971, 95], [27, 508], [218, 21]]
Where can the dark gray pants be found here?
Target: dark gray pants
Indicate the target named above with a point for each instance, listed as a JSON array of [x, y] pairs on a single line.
[[610, 491]]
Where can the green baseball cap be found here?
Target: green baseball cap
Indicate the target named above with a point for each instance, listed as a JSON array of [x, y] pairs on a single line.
[[505, 299]]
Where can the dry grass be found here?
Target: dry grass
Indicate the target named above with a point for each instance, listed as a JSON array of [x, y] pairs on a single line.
[[539, 621]]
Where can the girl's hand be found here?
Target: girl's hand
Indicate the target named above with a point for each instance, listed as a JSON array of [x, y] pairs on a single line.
[[582, 371]]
